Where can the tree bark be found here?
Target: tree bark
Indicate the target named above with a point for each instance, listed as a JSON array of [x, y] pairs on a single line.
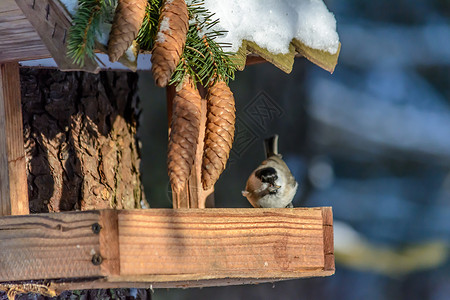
[[80, 140], [81, 149]]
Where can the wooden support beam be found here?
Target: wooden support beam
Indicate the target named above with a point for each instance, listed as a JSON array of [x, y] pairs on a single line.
[[165, 247], [18, 39], [13, 177], [52, 22]]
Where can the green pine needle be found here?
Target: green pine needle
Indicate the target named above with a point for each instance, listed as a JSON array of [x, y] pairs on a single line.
[[203, 59], [87, 20], [149, 28]]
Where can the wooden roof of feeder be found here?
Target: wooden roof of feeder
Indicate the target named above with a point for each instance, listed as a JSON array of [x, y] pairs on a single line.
[[31, 30], [49, 253]]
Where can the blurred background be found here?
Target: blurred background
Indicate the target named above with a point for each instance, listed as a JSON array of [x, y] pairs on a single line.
[[371, 140]]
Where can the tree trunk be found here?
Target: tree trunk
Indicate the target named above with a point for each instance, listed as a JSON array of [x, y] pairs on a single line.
[[81, 149], [80, 140]]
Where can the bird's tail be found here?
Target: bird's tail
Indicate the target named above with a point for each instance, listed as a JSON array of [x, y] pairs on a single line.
[[271, 146]]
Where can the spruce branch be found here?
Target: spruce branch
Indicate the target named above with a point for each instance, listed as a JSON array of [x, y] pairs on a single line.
[[149, 28], [203, 58], [86, 25]]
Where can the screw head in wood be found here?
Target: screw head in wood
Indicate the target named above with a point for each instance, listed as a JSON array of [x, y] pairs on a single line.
[[96, 228], [97, 259]]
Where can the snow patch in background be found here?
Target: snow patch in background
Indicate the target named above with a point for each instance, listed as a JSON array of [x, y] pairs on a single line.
[[273, 24]]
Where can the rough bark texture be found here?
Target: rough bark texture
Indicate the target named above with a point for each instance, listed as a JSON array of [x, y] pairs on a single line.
[[109, 294], [184, 131], [127, 21], [80, 143], [219, 133], [170, 40]]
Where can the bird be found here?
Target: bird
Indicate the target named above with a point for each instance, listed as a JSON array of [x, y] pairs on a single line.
[[272, 183]]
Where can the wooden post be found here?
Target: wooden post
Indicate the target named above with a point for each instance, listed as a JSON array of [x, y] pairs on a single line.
[[194, 196], [13, 177]]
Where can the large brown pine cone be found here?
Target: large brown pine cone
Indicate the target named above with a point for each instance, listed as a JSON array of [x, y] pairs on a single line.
[[184, 132], [127, 22], [219, 133], [170, 40]]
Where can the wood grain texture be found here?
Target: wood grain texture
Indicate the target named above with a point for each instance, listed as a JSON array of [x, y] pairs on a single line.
[[328, 238], [166, 248], [323, 59], [173, 245], [13, 177], [18, 39], [146, 282], [52, 23], [109, 242], [5, 203], [283, 62], [48, 246]]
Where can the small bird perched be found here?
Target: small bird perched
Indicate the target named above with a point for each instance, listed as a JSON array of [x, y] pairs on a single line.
[[272, 183]]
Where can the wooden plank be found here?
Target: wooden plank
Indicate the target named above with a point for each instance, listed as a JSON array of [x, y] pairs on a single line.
[[146, 282], [253, 59], [143, 63], [109, 242], [44, 246], [18, 39], [173, 245], [13, 177], [52, 23], [283, 62], [5, 203], [323, 59], [165, 248], [328, 238]]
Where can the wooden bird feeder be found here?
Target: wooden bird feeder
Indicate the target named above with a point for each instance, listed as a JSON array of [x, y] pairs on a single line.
[[133, 248]]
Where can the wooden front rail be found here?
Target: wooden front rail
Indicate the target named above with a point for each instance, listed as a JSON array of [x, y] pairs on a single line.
[[165, 247]]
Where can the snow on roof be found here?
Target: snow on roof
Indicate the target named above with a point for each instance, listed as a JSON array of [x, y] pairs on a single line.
[[272, 29], [272, 24]]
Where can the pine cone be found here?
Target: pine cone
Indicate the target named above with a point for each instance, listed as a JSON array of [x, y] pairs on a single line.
[[170, 40], [219, 133], [184, 132], [127, 22]]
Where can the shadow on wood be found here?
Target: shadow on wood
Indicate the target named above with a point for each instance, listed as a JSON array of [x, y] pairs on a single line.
[[166, 248]]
